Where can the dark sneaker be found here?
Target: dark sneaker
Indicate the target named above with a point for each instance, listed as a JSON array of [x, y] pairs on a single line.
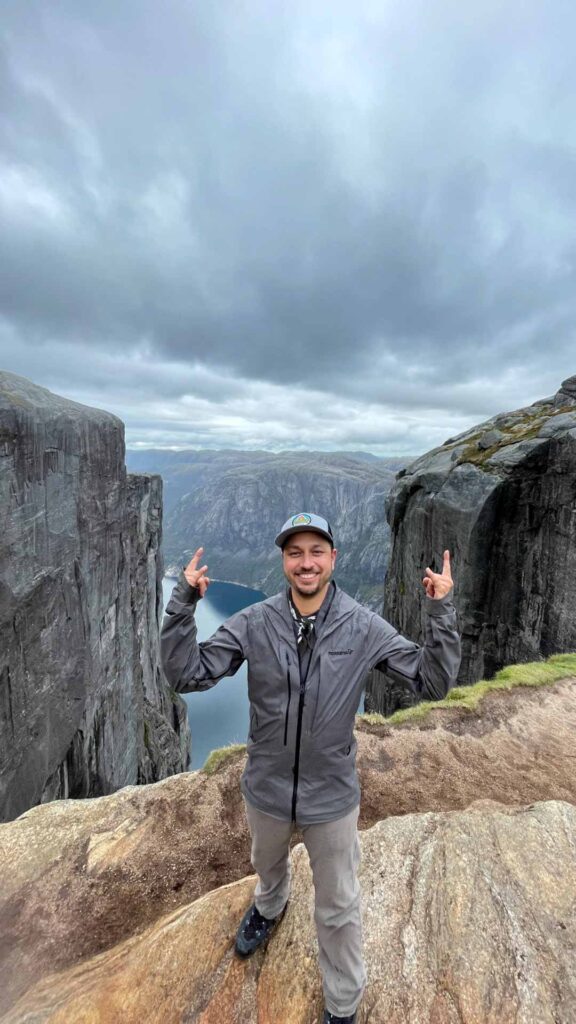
[[255, 930], [330, 1018]]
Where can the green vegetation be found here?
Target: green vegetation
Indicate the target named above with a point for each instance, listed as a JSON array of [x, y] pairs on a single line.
[[525, 427], [532, 673], [216, 758]]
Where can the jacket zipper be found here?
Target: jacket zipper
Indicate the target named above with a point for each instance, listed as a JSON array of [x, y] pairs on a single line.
[[289, 696], [296, 767]]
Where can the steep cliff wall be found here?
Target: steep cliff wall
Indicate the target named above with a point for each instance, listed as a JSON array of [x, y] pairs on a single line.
[[502, 498], [84, 709]]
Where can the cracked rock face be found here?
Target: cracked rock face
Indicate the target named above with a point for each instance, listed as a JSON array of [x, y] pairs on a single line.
[[502, 498], [83, 706]]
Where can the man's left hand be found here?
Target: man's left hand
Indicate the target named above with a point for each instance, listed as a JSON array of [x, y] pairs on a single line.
[[438, 584]]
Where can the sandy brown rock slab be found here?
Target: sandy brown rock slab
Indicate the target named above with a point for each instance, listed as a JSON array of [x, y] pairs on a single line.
[[78, 877], [469, 918]]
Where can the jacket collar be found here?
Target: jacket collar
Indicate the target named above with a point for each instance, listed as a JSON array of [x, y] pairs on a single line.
[[341, 608]]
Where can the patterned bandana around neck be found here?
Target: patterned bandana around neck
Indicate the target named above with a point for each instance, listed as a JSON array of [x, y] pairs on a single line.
[[305, 626]]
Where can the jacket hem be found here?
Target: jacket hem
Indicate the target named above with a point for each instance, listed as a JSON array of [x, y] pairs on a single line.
[[304, 819]]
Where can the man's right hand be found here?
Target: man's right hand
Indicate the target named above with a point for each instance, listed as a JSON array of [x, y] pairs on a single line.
[[195, 576]]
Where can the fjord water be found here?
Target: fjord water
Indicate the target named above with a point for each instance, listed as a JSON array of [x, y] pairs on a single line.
[[217, 716]]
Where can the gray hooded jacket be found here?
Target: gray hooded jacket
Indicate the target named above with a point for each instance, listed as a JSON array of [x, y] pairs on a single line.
[[301, 746]]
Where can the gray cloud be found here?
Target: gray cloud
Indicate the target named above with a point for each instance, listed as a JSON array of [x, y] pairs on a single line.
[[371, 202]]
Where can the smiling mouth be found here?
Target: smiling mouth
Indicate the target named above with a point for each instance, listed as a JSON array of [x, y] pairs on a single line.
[[307, 575]]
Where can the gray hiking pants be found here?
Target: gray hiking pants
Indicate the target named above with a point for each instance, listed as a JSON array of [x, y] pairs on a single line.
[[334, 851]]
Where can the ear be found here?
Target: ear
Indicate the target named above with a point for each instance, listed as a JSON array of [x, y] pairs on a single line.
[[334, 553]]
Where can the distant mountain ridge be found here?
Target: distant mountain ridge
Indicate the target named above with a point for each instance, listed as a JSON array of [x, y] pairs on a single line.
[[234, 503]]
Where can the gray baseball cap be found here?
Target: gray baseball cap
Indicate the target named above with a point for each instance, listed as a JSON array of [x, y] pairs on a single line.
[[304, 521]]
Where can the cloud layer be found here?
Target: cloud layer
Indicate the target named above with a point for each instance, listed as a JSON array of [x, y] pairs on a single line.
[[345, 225]]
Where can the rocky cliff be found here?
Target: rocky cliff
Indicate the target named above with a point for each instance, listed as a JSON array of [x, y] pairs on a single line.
[[233, 503], [502, 498], [125, 908], [84, 709]]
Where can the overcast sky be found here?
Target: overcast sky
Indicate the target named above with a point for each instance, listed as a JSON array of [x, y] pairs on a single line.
[[343, 224]]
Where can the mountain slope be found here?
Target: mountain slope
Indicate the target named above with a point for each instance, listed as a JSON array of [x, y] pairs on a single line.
[[234, 503]]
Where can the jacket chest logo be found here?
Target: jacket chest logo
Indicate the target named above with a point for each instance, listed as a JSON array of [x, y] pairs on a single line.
[[349, 651]]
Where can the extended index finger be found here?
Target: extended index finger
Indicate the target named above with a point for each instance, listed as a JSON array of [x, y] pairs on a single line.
[[195, 558], [446, 571]]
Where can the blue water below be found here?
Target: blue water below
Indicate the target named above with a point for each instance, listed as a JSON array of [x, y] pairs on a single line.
[[218, 716]]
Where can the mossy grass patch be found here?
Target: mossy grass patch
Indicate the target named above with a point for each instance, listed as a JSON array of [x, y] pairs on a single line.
[[531, 673], [216, 758], [523, 428]]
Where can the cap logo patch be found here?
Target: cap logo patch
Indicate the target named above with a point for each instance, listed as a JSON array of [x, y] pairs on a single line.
[[302, 520]]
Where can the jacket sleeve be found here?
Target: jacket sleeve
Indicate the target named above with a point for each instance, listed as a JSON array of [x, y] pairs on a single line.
[[189, 665], [432, 669]]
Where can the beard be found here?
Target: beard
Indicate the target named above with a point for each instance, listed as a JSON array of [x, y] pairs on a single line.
[[309, 589]]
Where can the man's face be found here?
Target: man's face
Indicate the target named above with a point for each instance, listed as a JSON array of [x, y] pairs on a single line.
[[308, 561]]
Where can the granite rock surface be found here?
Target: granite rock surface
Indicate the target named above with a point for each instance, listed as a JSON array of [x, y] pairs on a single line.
[[84, 708], [502, 498], [82, 878], [468, 918]]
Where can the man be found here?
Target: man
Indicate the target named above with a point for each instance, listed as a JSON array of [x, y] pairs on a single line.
[[308, 649]]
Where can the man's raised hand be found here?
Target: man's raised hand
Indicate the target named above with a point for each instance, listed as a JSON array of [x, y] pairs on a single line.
[[438, 584], [195, 576]]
